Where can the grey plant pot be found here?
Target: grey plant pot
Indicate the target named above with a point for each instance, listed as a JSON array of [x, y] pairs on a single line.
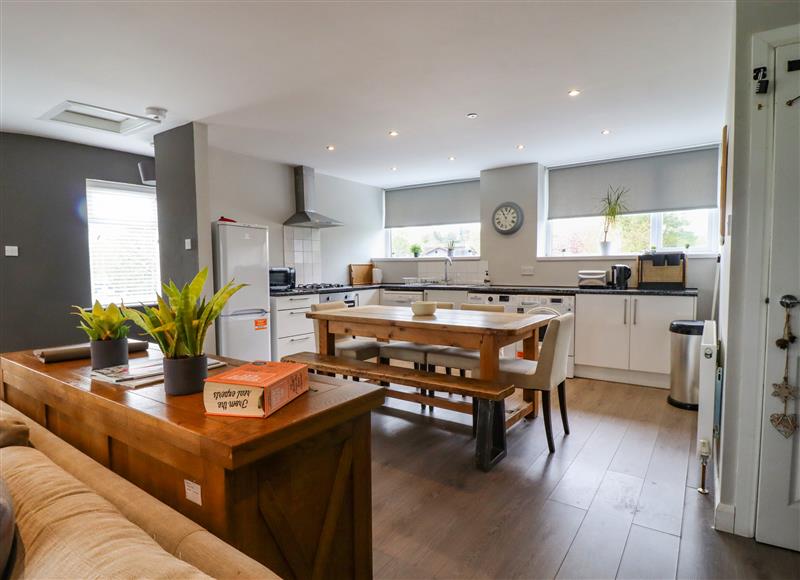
[[185, 376], [109, 353]]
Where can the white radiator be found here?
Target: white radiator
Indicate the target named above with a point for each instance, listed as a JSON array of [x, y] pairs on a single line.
[[706, 415]]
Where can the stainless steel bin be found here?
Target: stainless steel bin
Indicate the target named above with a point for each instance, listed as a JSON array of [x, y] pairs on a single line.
[[684, 375]]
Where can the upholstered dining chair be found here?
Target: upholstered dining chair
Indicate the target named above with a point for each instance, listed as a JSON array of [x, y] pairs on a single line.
[[357, 348], [461, 358], [546, 374]]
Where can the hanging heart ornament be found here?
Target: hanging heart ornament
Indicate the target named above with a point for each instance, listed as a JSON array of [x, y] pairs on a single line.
[[785, 424]]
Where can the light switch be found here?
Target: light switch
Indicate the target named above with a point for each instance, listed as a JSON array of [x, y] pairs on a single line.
[[12, 251], [527, 270], [187, 244]]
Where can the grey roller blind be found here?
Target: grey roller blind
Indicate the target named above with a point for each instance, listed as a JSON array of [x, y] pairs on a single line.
[[433, 205], [669, 182]]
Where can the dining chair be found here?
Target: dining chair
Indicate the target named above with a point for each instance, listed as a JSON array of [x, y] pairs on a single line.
[[461, 358], [547, 373], [348, 347]]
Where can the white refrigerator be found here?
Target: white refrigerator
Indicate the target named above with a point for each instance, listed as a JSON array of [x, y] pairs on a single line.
[[241, 253]]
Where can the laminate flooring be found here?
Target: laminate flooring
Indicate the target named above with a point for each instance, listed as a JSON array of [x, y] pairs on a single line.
[[618, 499]]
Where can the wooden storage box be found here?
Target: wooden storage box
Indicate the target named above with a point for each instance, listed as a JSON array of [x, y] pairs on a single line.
[[662, 271]]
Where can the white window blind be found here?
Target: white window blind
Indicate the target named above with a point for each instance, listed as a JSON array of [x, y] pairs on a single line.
[[677, 181], [434, 205], [123, 242]]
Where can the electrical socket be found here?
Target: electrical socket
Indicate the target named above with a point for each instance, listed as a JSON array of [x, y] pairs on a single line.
[[527, 270]]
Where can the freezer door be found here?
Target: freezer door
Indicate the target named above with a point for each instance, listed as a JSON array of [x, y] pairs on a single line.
[[244, 336], [241, 253]]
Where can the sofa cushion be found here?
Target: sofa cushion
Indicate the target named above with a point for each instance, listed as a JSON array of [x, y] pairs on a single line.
[[13, 432], [6, 526], [68, 531]]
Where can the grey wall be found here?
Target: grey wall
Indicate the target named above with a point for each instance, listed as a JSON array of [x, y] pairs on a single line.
[[177, 203], [253, 190], [43, 211], [507, 254]]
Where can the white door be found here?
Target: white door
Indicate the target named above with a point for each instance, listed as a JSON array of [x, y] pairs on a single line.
[[778, 508], [602, 331], [242, 254], [244, 336], [650, 337]]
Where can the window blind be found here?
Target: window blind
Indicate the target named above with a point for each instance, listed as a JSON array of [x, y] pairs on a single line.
[[434, 204], [667, 182], [123, 242]]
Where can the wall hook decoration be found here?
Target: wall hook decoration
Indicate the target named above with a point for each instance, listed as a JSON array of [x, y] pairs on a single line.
[[786, 423]]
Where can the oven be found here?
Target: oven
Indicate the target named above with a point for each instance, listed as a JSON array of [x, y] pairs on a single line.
[[281, 279], [349, 298]]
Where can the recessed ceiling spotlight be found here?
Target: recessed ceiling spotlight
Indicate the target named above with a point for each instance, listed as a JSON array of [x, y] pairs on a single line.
[[520, 146], [605, 132], [574, 92], [452, 158], [394, 168], [393, 133], [472, 115], [330, 148]]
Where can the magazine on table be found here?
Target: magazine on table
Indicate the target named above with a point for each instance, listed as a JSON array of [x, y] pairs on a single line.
[[139, 372]]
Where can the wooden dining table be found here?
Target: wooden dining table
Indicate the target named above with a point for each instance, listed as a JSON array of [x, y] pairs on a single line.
[[485, 332]]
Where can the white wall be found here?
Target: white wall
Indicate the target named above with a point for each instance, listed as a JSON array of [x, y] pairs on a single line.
[[252, 190]]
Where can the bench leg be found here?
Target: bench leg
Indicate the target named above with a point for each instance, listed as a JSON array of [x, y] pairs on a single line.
[[490, 444], [383, 361], [474, 416]]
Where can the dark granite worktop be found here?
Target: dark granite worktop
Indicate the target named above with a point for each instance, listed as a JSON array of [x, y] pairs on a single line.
[[480, 289]]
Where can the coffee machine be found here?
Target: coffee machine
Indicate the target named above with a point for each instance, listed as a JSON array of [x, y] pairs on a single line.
[[620, 274]]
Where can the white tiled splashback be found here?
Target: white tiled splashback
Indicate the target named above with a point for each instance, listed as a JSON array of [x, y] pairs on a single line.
[[461, 272], [301, 251]]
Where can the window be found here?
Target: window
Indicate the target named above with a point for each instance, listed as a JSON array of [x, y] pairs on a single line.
[[691, 231], [434, 240], [123, 242]]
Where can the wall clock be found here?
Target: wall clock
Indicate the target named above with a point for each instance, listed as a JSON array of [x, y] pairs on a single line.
[[507, 218]]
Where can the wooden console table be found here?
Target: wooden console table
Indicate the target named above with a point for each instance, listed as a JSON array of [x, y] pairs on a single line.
[[292, 491]]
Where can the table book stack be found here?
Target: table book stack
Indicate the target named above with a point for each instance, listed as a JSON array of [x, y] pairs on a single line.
[[257, 389]]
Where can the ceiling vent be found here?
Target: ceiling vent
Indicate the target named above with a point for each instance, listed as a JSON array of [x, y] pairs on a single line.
[[102, 119]]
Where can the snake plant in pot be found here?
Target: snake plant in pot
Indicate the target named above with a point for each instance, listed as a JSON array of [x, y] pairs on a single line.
[[107, 332], [179, 323]]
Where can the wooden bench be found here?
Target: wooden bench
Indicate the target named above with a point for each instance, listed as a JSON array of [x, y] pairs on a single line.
[[487, 407]]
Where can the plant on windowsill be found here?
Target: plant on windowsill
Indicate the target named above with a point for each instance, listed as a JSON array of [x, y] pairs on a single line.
[[612, 205], [416, 250], [179, 325], [107, 332], [451, 248]]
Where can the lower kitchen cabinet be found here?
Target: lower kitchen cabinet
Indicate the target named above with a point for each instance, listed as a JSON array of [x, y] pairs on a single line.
[[602, 335], [292, 332], [650, 340], [369, 296], [627, 332], [457, 297]]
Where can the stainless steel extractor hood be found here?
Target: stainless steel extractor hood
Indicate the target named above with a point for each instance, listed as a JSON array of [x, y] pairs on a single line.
[[305, 196]]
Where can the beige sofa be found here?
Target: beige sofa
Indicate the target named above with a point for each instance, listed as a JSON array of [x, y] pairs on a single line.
[[77, 519]]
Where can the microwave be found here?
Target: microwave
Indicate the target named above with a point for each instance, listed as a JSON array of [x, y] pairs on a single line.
[[281, 279]]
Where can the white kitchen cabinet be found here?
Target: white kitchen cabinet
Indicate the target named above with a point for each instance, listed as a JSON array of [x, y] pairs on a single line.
[[369, 296], [292, 332], [401, 297], [650, 339], [457, 297], [602, 334], [627, 331]]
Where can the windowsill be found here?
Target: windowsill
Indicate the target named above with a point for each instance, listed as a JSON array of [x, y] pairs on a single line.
[[429, 259], [598, 258]]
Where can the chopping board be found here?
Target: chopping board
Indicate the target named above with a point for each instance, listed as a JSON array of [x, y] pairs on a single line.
[[360, 274]]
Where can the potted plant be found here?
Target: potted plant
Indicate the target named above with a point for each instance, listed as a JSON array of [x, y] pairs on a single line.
[[416, 250], [612, 205], [108, 334], [179, 325], [451, 247]]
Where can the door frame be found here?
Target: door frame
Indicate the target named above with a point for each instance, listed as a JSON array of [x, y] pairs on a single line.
[[737, 513]]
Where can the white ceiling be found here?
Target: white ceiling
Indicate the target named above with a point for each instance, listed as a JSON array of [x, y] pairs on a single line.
[[283, 80]]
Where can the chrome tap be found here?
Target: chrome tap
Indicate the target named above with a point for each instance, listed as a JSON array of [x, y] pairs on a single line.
[[447, 261]]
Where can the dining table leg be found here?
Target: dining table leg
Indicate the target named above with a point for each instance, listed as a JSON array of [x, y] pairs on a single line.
[[530, 351], [326, 342], [490, 437]]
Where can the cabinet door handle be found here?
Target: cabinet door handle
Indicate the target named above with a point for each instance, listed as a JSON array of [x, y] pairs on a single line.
[[296, 313], [299, 299], [625, 313], [299, 339], [635, 309]]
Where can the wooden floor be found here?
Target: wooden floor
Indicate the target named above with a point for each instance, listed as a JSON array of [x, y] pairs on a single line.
[[617, 499]]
